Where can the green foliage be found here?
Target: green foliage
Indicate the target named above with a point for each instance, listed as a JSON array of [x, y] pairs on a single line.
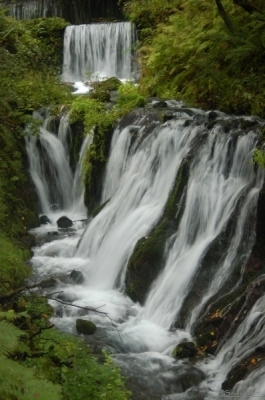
[[9, 335], [129, 97], [19, 383], [13, 269], [259, 157], [91, 112], [194, 55], [104, 380]]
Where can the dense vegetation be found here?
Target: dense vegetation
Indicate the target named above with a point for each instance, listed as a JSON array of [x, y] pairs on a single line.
[[36, 360], [207, 53]]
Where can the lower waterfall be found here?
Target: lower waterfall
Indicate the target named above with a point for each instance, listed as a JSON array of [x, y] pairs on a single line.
[[219, 198]]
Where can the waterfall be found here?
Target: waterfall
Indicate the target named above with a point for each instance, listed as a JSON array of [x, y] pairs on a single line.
[[148, 176], [33, 9], [213, 192], [219, 199], [56, 185], [101, 50]]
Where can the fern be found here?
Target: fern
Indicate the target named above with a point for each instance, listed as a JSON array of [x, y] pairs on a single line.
[[9, 335], [11, 316], [19, 383]]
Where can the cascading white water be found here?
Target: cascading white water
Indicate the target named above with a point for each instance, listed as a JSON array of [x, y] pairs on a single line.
[[140, 174], [101, 50], [33, 9], [78, 187], [57, 187], [211, 198], [147, 177], [61, 175]]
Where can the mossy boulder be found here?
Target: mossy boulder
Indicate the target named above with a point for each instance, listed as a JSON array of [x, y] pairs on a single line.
[[85, 327], [112, 83], [185, 350]]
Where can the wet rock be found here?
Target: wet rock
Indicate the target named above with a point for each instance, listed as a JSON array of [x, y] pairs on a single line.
[[44, 220], [64, 222], [212, 115], [85, 327], [185, 350], [77, 277], [55, 233], [46, 283], [189, 377], [67, 297], [247, 124], [168, 116], [159, 104]]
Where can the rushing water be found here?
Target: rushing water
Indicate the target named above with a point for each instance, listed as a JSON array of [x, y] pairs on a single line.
[[100, 50], [30, 9], [140, 173]]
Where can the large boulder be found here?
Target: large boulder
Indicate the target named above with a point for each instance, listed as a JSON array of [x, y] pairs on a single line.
[[85, 327], [64, 222]]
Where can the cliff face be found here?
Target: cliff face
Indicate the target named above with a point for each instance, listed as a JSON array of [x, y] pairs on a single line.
[[77, 12]]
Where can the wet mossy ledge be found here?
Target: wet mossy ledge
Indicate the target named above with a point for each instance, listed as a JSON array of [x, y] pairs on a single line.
[[148, 255]]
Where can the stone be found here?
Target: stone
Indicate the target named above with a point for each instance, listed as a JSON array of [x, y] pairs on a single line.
[[160, 104], [64, 222], [86, 327], [50, 282], [44, 220], [168, 116], [185, 350], [77, 277]]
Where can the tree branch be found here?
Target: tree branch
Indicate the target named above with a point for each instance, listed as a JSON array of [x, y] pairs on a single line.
[[249, 7]]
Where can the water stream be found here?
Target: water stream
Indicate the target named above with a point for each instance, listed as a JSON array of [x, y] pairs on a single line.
[[219, 201], [140, 173]]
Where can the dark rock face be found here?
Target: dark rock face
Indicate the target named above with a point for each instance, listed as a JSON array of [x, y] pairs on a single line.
[[85, 327], [47, 283], [64, 222], [185, 350], [77, 277], [44, 220]]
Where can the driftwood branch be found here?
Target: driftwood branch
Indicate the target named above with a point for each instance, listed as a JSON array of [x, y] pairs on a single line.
[[92, 310]]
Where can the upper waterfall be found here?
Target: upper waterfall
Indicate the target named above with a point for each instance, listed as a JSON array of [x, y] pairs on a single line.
[[101, 50]]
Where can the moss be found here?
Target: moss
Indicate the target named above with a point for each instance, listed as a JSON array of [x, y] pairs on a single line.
[[94, 166], [185, 350], [97, 210], [85, 327], [112, 83]]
